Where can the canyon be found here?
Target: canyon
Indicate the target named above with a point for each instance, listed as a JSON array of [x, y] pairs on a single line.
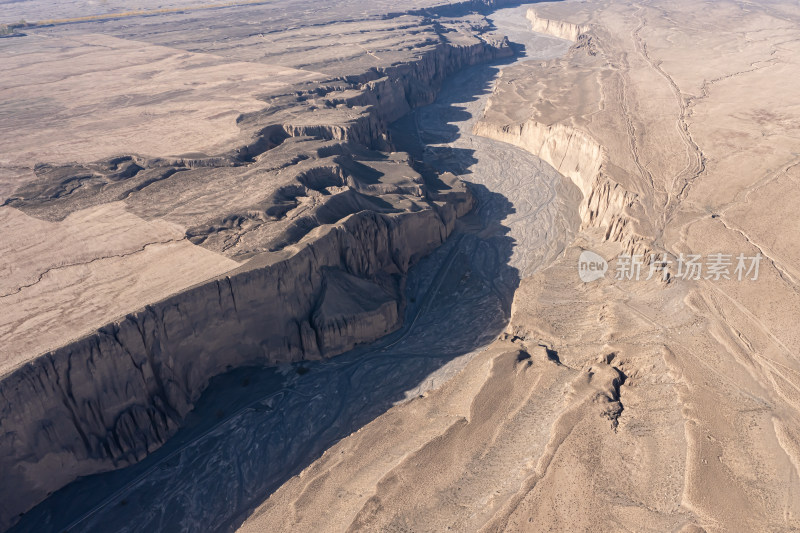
[[413, 200], [304, 256], [658, 402]]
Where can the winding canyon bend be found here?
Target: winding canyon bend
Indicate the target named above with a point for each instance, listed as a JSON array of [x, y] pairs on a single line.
[[424, 182]]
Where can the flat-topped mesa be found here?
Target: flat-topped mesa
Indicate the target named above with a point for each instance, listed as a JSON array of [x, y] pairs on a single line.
[[556, 28], [108, 399]]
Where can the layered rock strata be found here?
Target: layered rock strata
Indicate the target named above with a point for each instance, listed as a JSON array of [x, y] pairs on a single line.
[[573, 152]]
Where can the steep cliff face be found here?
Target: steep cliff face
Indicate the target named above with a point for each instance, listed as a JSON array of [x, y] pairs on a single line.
[[108, 399], [571, 151], [556, 28], [578, 157], [373, 99]]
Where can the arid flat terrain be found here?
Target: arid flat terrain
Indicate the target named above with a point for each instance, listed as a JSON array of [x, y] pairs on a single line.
[[286, 266]]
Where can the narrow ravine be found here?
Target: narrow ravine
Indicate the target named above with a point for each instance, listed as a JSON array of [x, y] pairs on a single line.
[[254, 428]]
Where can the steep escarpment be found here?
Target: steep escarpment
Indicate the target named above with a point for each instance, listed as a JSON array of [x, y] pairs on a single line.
[[575, 155], [107, 400], [352, 109], [568, 148], [371, 100], [556, 28], [324, 225]]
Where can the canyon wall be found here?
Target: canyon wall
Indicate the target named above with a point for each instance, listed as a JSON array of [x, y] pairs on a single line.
[[108, 399], [571, 151], [556, 28], [578, 157]]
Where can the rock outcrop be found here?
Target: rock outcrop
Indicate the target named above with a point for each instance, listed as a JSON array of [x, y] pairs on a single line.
[[571, 151], [556, 28], [578, 157], [107, 400]]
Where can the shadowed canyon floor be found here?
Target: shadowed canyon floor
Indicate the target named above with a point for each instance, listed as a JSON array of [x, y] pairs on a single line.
[[417, 200]]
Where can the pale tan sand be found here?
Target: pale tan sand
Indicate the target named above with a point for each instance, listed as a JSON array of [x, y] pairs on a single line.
[[605, 406], [91, 96]]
